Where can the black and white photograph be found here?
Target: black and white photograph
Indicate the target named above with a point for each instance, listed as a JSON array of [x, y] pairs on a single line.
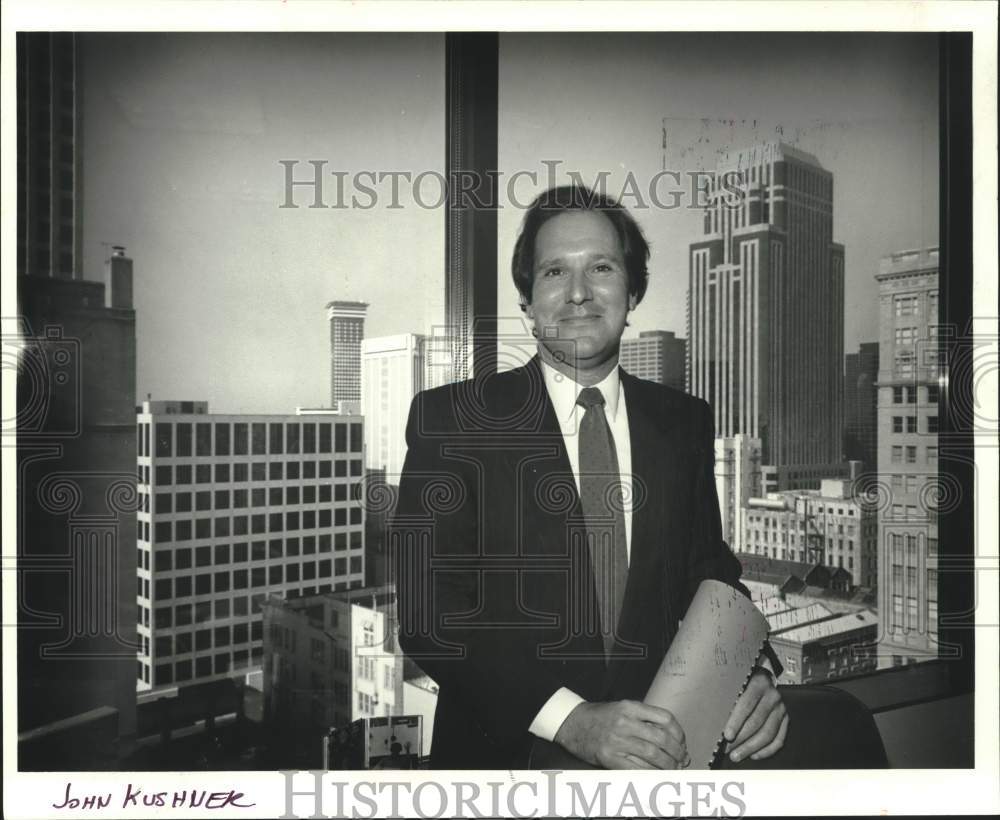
[[414, 414]]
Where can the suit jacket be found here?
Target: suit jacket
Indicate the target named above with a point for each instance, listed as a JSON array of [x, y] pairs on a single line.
[[494, 585]]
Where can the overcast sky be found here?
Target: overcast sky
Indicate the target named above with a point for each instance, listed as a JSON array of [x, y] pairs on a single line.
[[183, 135]]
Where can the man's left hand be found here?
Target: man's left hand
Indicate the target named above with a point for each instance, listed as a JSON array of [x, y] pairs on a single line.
[[758, 723]]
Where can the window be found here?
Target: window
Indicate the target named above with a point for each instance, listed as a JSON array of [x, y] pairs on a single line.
[[164, 440], [184, 439], [933, 394], [240, 440], [932, 456], [222, 439], [907, 305], [897, 454], [911, 424], [911, 455], [275, 438], [897, 424], [932, 424], [203, 432], [905, 362], [258, 441], [905, 335]]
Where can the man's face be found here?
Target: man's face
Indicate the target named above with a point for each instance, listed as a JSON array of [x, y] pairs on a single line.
[[580, 298]]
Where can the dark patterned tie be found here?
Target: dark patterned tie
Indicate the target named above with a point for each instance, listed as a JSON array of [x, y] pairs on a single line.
[[601, 497]]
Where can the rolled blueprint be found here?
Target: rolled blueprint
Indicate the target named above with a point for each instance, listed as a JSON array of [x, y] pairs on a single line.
[[708, 664]]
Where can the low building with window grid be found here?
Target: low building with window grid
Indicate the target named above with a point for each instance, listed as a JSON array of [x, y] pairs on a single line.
[[233, 508], [910, 366], [829, 526]]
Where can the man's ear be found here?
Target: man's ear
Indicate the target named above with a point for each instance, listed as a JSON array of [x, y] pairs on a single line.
[[529, 311], [632, 301]]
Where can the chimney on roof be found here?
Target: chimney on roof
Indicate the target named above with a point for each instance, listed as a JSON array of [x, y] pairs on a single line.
[[118, 279]]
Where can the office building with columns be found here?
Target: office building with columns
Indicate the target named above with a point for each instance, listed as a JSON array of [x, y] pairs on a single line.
[[347, 329], [766, 310], [233, 508], [392, 373], [908, 391], [738, 478]]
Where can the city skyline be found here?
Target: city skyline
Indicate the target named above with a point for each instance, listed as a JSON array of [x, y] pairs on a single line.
[[422, 319], [187, 176]]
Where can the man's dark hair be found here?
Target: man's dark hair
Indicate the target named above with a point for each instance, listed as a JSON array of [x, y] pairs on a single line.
[[565, 198]]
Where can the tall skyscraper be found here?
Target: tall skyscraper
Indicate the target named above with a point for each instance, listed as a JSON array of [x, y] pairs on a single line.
[[908, 455], [234, 508], [392, 374], [766, 309], [75, 432], [657, 355], [49, 229], [860, 405], [347, 329]]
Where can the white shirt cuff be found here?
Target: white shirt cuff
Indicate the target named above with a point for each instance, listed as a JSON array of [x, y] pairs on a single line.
[[551, 716]]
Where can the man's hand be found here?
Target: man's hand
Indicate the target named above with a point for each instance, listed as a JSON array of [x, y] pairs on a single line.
[[624, 734], [758, 723]]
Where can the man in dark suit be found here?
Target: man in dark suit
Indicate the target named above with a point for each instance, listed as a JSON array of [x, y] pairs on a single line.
[[554, 522]]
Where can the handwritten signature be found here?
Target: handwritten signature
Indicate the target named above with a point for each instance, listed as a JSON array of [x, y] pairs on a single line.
[[135, 796]]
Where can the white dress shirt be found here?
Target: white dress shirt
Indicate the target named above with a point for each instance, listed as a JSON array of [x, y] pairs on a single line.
[[563, 393]]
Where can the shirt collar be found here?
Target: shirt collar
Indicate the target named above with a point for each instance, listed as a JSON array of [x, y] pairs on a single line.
[[563, 392]]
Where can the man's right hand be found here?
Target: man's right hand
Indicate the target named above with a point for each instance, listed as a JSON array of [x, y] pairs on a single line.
[[624, 734]]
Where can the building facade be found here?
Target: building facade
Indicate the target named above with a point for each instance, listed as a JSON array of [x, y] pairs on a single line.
[[657, 355], [49, 228], [392, 374], [826, 647], [233, 508], [347, 330], [908, 389], [74, 342], [332, 658], [861, 406], [766, 309], [827, 526], [738, 478]]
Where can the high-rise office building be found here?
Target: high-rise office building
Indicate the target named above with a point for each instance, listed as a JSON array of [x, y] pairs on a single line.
[[234, 508], [860, 405], [657, 355], [737, 479], [347, 329], [908, 386], [49, 228], [392, 374], [75, 433], [766, 310]]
